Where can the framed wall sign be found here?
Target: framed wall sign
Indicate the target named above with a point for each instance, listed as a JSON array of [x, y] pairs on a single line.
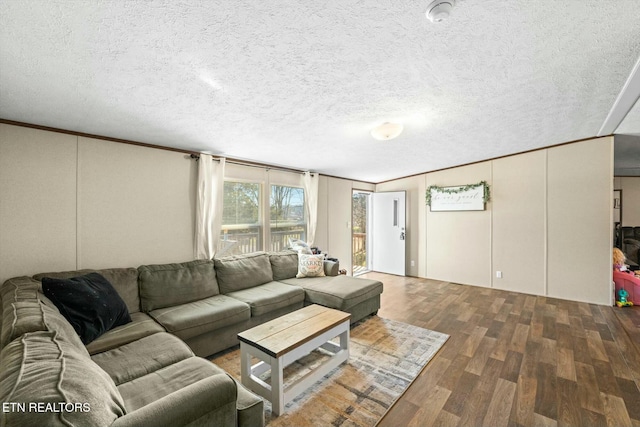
[[460, 198]]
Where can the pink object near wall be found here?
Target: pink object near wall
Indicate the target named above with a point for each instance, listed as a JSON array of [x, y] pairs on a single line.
[[630, 283]]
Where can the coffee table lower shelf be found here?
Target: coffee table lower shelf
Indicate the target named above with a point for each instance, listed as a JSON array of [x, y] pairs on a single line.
[[274, 390]]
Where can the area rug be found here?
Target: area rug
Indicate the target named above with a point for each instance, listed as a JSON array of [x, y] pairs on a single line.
[[384, 358]]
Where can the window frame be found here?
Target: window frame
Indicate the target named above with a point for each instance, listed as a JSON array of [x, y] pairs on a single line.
[[264, 227]]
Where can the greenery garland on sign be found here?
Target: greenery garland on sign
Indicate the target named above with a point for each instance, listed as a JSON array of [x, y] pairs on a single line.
[[454, 190]]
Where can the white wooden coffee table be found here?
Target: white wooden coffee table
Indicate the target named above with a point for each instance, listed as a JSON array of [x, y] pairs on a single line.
[[286, 339]]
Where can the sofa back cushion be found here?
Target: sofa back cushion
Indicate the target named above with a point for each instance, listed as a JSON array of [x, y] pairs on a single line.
[[39, 369], [167, 285], [284, 264], [123, 280], [238, 272]]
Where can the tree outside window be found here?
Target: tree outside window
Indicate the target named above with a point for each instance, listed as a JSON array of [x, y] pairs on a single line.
[[287, 216]]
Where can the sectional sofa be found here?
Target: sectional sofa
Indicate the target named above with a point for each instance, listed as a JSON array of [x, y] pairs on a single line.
[[147, 371]]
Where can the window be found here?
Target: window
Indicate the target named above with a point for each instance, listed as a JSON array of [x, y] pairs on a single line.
[[241, 225], [287, 216]]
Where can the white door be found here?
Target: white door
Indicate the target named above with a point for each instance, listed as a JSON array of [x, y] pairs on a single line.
[[388, 233]]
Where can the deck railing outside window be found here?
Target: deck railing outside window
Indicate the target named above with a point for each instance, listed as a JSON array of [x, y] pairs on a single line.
[[235, 242]]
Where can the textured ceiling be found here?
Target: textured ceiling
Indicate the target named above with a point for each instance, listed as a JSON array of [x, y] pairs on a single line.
[[301, 83]]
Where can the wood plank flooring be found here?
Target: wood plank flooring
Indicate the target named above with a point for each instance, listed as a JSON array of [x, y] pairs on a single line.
[[515, 359]]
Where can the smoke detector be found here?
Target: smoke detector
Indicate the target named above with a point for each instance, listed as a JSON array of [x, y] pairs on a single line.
[[439, 10]]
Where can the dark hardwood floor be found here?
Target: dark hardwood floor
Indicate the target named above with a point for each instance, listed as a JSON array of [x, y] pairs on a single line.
[[515, 359]]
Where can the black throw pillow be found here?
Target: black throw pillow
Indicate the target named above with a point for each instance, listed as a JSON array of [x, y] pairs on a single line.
[[89, 303]]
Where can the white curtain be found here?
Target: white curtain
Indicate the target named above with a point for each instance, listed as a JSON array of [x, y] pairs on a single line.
[[310, 185], [208, 206]]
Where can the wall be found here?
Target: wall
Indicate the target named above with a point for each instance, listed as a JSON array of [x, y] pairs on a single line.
[[459, 243], [546, 228], [518, 222], [37, 201], [135, 205], [70, 202], [579, 217]]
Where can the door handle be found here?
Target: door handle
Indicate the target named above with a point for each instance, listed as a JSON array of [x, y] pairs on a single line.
[[402, 235]]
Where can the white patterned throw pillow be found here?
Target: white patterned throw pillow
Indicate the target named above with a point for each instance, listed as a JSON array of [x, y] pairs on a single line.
[[310, 265]]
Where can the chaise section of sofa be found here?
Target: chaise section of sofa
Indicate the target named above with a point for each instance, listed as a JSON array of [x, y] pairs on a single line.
[[359, 297]]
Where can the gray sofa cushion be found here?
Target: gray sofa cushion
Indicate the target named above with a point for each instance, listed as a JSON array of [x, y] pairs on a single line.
[[269, 297], [40, 368], [173, 284], [141, 325], [237, 272], [195, 318], [147, 389], [284, 264], [124, 281], [141, 357], [339, 292]]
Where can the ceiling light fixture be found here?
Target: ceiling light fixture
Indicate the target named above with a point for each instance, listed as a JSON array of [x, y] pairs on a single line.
[[386, 131], [439, 10]]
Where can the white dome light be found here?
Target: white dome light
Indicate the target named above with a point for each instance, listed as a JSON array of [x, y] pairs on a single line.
[[387, 131], [439, 10]]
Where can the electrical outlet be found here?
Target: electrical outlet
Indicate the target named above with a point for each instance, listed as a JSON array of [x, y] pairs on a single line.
[[499, 274], [413, 263]]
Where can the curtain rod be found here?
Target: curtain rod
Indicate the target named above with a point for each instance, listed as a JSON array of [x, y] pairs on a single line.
[[254, 164]]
